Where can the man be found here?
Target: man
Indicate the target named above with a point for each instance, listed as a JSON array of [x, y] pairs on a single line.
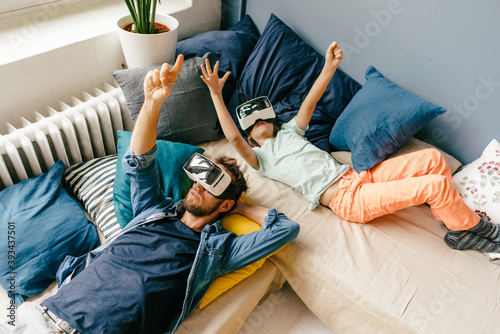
[[150, 277]]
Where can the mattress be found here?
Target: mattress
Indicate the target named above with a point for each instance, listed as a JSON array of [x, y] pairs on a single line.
[[228, 313], [393, 275]]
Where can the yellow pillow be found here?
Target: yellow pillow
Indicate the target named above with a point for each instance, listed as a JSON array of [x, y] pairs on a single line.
[[239, 225]]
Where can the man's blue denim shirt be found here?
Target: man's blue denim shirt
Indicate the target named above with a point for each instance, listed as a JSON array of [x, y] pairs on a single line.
[[219, 252]]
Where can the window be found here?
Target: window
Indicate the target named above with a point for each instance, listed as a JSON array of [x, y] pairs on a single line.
[[10, 5]]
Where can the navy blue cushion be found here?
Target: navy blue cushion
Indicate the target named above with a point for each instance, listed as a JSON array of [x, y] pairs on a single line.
[[40, 225], [284, 67], [380, 119], [170, 158], [231, 47]]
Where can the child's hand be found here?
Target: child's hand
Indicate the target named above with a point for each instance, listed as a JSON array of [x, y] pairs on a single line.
[[211, 78], [333, 56]]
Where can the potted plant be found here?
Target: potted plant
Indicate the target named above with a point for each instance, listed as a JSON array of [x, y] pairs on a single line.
[[147, 38]]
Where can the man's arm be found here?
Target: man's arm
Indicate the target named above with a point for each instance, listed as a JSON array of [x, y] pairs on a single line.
[[231, 132], [253, 212], [333, 58], [145, 191], [158, 85], [277, 231]]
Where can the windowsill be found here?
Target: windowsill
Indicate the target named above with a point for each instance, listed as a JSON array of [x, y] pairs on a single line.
[[54, 26]]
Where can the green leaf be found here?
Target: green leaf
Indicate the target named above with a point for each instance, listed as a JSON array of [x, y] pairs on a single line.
[[143, 14], [132, 9], [153, 17]]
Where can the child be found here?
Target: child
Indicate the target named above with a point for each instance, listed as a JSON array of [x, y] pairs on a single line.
[[394, 184]]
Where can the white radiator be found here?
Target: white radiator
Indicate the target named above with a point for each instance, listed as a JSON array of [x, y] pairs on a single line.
[[81, 130]]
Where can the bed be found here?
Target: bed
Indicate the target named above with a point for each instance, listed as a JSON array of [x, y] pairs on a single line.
[[393, 275]]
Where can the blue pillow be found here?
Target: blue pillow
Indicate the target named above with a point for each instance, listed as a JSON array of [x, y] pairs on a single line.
[[283, 67], [170, 158], [231, 47], [380, 119], [40, 225]]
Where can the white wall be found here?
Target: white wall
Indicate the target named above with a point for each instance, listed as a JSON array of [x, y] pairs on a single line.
[[445, 51], [60, 50]]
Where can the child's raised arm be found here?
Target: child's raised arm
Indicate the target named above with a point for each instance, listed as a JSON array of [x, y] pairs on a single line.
[[215, 84], [333, 58]]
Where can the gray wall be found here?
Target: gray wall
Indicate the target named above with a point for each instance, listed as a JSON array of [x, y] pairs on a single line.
[[445, 51]]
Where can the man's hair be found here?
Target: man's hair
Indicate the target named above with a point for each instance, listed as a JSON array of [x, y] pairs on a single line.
[[231, 166]]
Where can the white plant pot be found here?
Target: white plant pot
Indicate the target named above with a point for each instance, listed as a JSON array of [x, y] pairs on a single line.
[[143, 50]]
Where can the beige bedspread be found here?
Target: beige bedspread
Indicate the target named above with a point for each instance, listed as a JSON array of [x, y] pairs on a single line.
[[393, 275], [228, 313]]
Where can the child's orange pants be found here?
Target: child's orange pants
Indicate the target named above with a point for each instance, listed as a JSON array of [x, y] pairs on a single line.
[[399, 182]]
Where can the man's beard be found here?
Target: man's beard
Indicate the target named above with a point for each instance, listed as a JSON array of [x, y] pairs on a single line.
[[196, 209]]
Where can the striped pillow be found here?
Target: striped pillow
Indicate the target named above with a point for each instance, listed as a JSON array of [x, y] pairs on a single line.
[[92, 184]]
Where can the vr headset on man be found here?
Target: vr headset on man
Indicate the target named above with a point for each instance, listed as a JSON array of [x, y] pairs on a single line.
[[211, 177]]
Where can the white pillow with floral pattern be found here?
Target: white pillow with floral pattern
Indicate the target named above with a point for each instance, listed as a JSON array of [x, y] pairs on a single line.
[[479, 183]]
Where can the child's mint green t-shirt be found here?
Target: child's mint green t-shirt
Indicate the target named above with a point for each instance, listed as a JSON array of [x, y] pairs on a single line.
[[290, 158]]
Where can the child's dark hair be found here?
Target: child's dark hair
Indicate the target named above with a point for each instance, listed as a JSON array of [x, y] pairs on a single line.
[[252, 142]]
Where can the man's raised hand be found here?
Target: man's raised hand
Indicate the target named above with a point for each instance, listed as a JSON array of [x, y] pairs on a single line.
[[158, 83]]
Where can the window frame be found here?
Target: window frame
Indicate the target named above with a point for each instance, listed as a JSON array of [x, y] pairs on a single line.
[[8, 6]]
